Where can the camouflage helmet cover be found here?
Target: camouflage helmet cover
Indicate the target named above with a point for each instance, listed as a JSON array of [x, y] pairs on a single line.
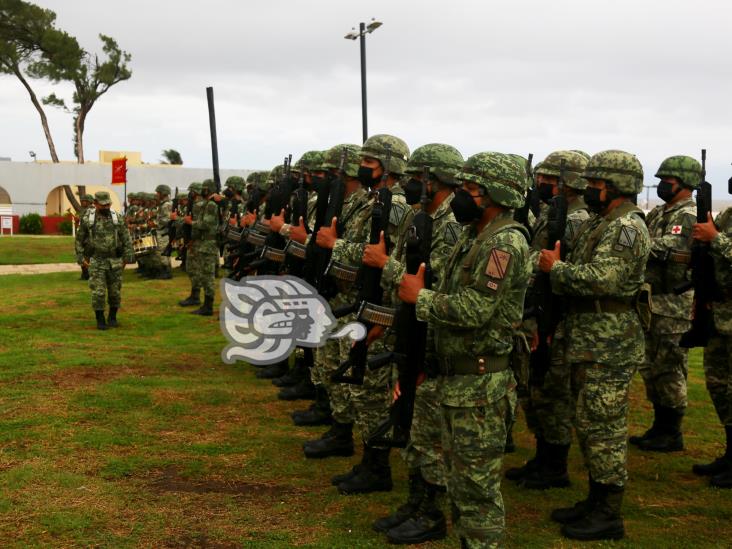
[[574, 166], [377, 146], [208, 186], [620, 168], [684, 168], [310, 161], [332, 159], [444, 161], [195, 188], [235, 182], [503, 178], [102, 198], [88, 198], [163, 189]]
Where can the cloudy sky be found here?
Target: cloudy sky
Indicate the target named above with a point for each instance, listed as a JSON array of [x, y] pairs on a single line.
[[651, 77]]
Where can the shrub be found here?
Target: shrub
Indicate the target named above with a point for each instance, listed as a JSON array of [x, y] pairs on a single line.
[[31, 224], [66, 226]]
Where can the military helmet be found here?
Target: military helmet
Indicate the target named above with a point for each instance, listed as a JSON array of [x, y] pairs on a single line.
[[377, 146], [87, 197], [235, 182], [163, 189], [586, 156], [102, 198], [130, 196], [332, 158], [620, 168], [444, 161], [574, 166], [500, 175], [684, 168], [310, 161], [208, 186], [195, 188], [523, 164]]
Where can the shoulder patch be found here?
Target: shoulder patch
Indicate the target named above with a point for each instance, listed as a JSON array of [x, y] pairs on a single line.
[[498, 263], [397, 213], [627, 236], [452, 232]]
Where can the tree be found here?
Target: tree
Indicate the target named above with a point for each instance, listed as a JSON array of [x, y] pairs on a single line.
[[92, 78], [32, 47], [171, 156]]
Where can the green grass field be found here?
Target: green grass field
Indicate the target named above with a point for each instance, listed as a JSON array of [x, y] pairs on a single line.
[[25, 250], [141, 436]]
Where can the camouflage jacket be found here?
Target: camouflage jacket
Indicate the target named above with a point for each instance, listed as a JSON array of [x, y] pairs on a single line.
[[445, 234], [608, 262], [163, 216], [721, 248], [104, 238], [205, 226], [576, 215], [670, 230]]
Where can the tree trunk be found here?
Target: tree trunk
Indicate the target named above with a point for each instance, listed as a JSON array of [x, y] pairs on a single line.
[[80, 119]]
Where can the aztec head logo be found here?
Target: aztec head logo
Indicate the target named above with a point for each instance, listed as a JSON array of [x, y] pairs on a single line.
[[266, 317]]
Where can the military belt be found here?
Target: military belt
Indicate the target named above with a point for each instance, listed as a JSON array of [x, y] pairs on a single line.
[[377, 314], [341, 271], [296, 249], [106, 255], [680, 257], [273, 254], [467, 365], [604, 305]]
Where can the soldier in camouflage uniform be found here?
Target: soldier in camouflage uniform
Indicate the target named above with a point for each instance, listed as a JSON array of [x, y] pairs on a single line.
[[194, 190], [379, 154], [473, 312], [548, 405], [718, 352], [87, 204], [204, 253], [420, 519], [602, 277], [666, 365], [162, 221], [235, 210], [105, 240]]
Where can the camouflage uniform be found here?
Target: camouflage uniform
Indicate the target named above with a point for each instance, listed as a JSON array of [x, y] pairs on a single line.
[[191, 260], [204, 253], [473, 313], [106, 241], [77, 223], [602, 276], [162, 221]]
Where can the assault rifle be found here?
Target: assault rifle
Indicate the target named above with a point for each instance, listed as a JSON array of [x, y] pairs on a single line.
[[532, 202]]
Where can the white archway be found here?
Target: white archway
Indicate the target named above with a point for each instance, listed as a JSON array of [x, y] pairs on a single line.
[[58, 204], [5, 197]]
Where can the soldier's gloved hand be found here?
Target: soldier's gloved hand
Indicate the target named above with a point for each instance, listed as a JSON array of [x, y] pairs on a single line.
[[188, 220], [705, 232], [276, 222], [298, 232], [547, 258], [374, 255], [327, 236], [411, 285]]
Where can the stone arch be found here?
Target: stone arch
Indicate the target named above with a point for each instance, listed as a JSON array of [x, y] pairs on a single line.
[[58, 204], [5, 197]]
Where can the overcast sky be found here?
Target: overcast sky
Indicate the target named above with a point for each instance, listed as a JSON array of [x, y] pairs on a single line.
[[651, 77]]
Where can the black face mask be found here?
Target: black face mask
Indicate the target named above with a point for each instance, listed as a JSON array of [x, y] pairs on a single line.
[[316, 181], [105, 212], [413, 191], [546, 192], [366, 177], [665, 191], [592, 199], [228, 193], [464, 207]]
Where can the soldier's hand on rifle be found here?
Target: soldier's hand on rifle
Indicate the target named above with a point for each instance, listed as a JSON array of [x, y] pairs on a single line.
[[327, 236], [376, 332], [249, 219], [421, 376], [374, 255], [705, 232], [85, 263], [232, 221], [276, 222], [173, 215], [411, 285], [534, 345], [298, 232], [188, 220], [547, 258]]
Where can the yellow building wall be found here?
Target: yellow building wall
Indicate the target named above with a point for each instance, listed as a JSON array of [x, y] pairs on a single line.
[[133, 158], [58, 204]]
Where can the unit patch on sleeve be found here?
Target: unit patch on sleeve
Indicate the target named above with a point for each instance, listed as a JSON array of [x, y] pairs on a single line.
[[498, 264]]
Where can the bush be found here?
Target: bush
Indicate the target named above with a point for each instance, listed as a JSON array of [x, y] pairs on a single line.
[[66, 226], [31, 224]]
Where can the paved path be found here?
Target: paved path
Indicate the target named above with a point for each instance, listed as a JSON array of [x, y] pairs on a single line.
[[41, 268]]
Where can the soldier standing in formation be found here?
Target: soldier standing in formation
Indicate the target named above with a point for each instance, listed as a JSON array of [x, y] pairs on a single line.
[[162, 220], [87, 204], [203, 255]]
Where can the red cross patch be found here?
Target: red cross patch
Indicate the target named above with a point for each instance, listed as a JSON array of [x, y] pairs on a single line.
[[676, 229]]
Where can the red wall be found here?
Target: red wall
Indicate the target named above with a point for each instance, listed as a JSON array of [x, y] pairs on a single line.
[[16, 225], [50, 224]]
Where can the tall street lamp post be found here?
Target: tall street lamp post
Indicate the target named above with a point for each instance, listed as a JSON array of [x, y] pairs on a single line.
[[363, 29]]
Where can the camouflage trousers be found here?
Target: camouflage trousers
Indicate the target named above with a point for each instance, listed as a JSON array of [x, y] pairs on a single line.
[[424, 450], [105, 282], [327, 360], [601, 419], [666, 366], [160, 261], [718, 374], [201, 268], [473, 440]]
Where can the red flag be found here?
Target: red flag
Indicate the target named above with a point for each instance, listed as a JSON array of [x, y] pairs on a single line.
[[119, 171]]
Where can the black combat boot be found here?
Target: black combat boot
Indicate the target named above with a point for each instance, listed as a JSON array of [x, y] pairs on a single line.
[[668, 438], [517, 473], [567, 515], [604, 521], [552, 471], [510, 446], [206, 309], [654, 429], [723, 478], [296, 374], [336, 441], [304, 390], [374, 478], [417, 488], [84, 273], [101, 324], [319, 412], [112, 318], [193, 299], [427, 524], [165, 273], [273, 370]]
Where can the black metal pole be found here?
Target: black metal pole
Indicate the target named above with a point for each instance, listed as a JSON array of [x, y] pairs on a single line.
[[214, 143], [364, 117]]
